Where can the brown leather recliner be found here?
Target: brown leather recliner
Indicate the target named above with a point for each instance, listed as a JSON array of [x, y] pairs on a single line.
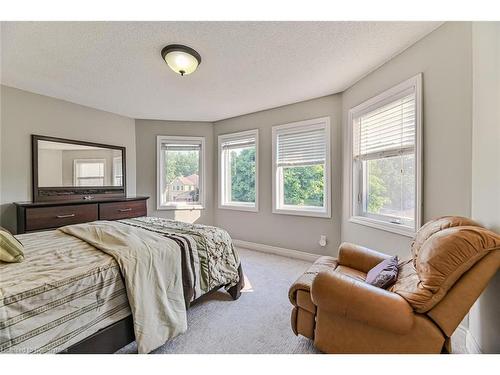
[[453, 259]]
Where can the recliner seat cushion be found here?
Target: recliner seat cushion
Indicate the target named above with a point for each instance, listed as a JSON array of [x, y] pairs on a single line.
[[440, 262], [351, 272]]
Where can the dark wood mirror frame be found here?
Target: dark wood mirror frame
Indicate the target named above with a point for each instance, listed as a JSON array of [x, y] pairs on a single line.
[[60, 193]]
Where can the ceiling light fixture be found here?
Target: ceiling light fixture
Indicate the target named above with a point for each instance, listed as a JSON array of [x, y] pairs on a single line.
[[181, 59]]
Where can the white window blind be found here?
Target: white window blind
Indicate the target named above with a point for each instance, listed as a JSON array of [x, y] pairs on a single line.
[[180, 147], [88, 172], [238, 143], [387, 131], [90, 169], [299, 148]]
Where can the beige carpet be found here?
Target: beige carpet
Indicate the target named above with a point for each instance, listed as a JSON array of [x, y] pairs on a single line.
[[259, 322]]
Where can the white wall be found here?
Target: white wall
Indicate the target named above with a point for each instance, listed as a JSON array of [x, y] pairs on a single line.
[[50, 168], [24, 113], [292, 232], [69, 157], [146, 133], [484, 318], [444, 58], [486, 124]]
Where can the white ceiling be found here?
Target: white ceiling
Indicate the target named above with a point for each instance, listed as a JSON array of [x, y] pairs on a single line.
[[246, 66]]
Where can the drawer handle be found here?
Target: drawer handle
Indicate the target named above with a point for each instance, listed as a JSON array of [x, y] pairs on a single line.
[[124, 210], [65, 216]]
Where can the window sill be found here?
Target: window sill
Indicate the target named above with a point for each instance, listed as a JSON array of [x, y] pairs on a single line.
[[189, 208], [298, 212], [238, 207], [382, 225]]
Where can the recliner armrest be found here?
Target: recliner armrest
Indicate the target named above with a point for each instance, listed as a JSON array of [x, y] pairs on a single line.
[[359, 257], [342, 295]]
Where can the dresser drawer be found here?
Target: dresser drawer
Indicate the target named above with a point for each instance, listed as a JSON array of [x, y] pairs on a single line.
[[58, 216], [122, 210]]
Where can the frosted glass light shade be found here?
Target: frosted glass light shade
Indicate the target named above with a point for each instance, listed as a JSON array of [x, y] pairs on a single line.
[[181, 59]]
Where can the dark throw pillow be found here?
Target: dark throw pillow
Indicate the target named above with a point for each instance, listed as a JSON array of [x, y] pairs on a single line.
[[384, 274]]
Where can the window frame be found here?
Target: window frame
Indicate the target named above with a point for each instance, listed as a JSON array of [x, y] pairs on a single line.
[[277, 193], [89, 161], [383, 222], [117, 173], [223, 173], [160, 164]]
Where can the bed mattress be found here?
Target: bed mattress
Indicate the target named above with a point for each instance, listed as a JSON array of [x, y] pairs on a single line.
[[63, 292], [66, 290]]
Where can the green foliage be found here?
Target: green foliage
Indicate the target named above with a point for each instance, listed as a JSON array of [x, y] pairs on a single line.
[[391, 184], [377, 191], [181, 164], [243, 175], [304, 185]]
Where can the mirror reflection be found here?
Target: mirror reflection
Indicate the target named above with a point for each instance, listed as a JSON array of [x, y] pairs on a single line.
[[72, 165]]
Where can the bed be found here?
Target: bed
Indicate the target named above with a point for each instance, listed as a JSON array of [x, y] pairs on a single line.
[[69, 296]]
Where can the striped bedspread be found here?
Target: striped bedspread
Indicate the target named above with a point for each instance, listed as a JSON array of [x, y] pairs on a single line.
[[66, 290]]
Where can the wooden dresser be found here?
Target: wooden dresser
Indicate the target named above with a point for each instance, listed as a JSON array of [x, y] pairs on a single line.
[[48, 215]]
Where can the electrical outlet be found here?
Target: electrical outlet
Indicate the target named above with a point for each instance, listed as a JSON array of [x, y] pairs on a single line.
[[322, 240]]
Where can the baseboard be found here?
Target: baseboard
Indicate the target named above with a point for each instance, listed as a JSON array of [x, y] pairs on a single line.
[[276, 250], [471, 345]]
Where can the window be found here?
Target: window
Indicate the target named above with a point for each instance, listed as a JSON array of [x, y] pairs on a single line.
[[180, 172], [386, 159], [238, 170], [301, 168], [117, 171], [88, 172]]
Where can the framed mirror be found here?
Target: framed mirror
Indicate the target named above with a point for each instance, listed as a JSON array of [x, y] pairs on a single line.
[[65, 169]]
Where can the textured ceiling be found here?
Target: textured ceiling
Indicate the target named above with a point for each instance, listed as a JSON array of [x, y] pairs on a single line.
[[246, 66]]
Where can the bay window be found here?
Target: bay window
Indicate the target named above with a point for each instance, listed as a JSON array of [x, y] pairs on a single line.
[[386, 159], [301, 168], [180, 175], [238, 170]]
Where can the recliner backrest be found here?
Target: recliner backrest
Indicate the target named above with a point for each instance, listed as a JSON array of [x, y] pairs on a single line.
[[444, 249], [455, 305], [434, 226], [448, 254]]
